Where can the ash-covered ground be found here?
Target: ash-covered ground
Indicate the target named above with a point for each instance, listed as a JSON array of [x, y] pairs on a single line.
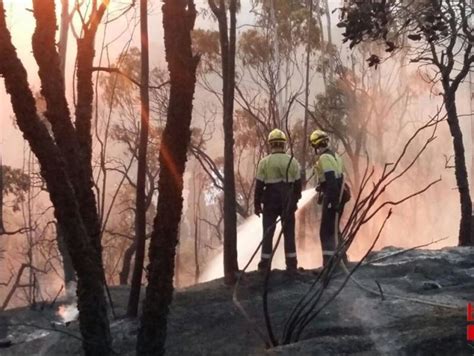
[[204, 320]]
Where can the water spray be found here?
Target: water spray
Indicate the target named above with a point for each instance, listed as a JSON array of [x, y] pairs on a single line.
[[249, 235]]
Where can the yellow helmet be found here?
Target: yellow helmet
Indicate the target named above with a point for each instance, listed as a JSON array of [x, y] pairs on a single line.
[[317, 137], [276, 136]]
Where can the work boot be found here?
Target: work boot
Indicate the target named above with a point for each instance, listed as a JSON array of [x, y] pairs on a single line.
[[263, 265], [326, 259], [291, 264]]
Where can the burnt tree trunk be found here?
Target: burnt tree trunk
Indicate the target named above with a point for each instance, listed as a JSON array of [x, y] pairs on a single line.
[[58, 165], [227, 44], [57, 108], [75, 143], [197, 229], [451, 84], [127, 264], [178, 22], [85, 97], [231, 266], [141, 206], [465, 227], [197, 270], [68, 268], [91, 301]]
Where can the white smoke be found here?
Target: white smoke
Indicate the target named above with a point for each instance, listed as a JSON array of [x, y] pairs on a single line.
[[69, 312], [249, 235]]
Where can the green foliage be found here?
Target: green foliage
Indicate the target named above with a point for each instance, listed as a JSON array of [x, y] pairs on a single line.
[[291, 23], [334, 106], [15, 183], [117, 89], [206, 43], [394, 21], [254, 48], [245, 131]]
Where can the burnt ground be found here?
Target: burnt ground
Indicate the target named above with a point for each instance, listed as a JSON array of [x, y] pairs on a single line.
[[204, 321]]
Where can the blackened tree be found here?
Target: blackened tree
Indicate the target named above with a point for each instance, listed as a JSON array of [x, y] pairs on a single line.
[[178, 22]]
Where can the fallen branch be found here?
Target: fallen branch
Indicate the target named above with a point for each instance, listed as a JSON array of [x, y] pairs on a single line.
[[403, 251], [380, 289]]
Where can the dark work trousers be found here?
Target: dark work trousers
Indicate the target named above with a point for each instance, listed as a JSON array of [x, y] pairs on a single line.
[[270, 216], [329, 241]]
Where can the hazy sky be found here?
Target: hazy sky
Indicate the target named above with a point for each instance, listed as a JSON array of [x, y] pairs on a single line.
[[117, 33], [21, 23]]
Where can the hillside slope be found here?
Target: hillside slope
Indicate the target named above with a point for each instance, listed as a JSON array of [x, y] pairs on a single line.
[[204, 320]]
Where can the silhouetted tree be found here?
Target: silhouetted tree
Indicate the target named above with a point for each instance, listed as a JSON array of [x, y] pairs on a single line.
[[227, 45], [141, 207], [65, 159], [178, 22]]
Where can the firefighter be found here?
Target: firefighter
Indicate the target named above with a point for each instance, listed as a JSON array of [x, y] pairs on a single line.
[[278, 189], [329, 170]]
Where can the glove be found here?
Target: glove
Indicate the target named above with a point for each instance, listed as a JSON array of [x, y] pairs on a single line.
[[258, 209]]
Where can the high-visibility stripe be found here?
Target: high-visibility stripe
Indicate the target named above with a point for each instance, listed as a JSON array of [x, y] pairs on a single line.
[[290, 254], [266, 255], [328, 253]]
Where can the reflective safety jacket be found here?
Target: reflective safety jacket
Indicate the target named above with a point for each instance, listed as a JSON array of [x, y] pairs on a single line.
[[278, 179], [329, 169]]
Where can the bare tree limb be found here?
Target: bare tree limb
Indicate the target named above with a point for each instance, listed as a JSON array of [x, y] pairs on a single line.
[[125, 75]]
